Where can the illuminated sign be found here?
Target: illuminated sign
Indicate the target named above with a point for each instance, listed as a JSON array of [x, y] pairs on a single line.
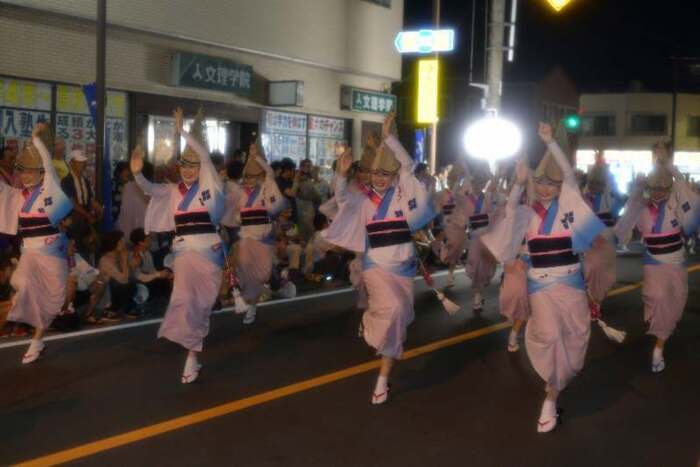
[[428, 76], [425, 41]]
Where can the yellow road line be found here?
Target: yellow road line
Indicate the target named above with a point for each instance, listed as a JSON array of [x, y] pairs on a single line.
[[194, 418]]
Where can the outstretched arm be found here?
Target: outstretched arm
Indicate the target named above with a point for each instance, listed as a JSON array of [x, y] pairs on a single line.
[[545, 132]]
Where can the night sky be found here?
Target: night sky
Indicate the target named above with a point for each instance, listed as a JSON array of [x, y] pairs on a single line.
[[602, 44]]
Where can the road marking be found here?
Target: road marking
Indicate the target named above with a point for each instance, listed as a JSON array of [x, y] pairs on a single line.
[[242, 404], [201, 416]]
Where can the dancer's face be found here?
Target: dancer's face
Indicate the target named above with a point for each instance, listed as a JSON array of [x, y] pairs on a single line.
[[381, 181], [189, 173], [546, 191], [658, 194], [29, 178]]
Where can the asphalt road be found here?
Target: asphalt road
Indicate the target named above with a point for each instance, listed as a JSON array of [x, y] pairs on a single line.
[[293, 389]]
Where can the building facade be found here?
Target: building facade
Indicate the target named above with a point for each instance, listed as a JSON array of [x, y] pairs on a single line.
[[277, 68], [626, 125]]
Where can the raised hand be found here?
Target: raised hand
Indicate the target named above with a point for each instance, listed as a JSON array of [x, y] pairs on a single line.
[[521, 172], [136, 161], [178, 114], [388, 124], [345, 162], [38, 128], [545, 132]]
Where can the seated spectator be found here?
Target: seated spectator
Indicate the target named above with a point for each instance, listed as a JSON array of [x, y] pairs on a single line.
[[114, 273], [83, 286], [288, 249], [143, 270], [324, 262]]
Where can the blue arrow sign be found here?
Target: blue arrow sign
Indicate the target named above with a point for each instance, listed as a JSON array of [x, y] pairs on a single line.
[[425, 41]]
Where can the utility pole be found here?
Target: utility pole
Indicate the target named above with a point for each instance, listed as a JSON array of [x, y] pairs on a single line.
[[494, 78], [100, 95]]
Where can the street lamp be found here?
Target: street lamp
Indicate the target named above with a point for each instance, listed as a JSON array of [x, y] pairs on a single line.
[[492, 138], [558, 4]]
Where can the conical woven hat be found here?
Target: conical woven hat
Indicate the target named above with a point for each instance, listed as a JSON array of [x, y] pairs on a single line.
[[189, 155], [549, 169], [660, 177], [385, 161]]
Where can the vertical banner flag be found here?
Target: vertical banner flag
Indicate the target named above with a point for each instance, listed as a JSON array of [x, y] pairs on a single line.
[[90, 92]]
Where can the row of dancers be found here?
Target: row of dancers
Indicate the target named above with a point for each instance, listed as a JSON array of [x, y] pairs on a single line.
[[556, 244]]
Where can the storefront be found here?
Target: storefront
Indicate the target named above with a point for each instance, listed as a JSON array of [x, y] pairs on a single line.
[[23, 103]]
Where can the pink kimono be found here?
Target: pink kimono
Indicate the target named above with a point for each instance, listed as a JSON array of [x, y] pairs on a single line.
[[258, 207], [558, 330], [193, 213], [481, 266], [42, 272], [453, 206], [665, 287], [381, 227], [599, 263]]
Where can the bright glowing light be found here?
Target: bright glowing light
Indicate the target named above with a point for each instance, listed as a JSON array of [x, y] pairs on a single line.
[[558, 4], [428, 78], [492, 138]]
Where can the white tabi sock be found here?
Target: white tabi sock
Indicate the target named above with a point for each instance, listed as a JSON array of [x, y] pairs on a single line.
[[382, 384], [658, 355], [191, 363], [35, 345], [549, 410], [513, 338]]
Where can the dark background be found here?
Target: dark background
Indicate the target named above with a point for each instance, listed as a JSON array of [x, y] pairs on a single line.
[[604, 45]]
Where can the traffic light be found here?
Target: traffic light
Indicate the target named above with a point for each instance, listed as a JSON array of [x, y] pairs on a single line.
[[572, 123]]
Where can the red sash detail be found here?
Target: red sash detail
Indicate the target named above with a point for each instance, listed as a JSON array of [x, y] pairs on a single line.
[[654, 211], [371, 194], [541, 212]]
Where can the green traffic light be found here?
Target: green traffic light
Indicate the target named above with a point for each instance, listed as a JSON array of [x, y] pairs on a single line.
[[572, 122]]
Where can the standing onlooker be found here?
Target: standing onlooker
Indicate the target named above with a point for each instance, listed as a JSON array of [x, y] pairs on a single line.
[[307, 199], [132, 214], [7, 166], [59, 162], [285, 182], [121, 177], [86, 211]]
